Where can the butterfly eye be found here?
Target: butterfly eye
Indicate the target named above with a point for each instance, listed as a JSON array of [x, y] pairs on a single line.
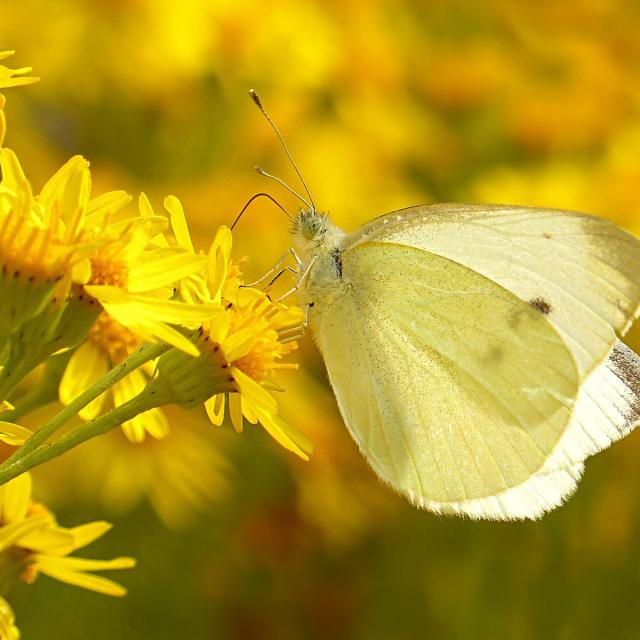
[[311, 224]]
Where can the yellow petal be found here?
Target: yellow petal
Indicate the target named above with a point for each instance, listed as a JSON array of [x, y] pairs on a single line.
[[86, 366], [238, 344], [51, 539], [68, 189], [12, 174], [141, 306], [178, 223], [162, 267], [86, 533], [13, 434], [286, 435], [235, 411], [219, 254], [105, 204], [155, 423], [215, 409], [86, 564], [11, 534], [144, 206], [15, 497], [253, 392], [64, 570], [8, 630]]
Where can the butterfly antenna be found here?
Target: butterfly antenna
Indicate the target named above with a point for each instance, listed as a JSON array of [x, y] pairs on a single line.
[[255, 197], [256, 99], [261, 172]]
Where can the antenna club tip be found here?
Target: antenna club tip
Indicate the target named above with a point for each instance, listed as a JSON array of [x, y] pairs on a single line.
[[259, 170], [255, 97]]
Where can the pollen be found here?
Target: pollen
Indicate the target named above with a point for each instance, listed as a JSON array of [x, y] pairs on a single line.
[[110, 271], [113, 338], [263, 358], [264, 320]]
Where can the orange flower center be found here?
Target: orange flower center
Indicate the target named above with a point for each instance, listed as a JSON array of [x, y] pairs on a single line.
[[263, 358], [112, 272], [113, 338]]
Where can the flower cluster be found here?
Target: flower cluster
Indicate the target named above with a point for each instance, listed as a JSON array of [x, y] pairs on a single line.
[[124, 317]]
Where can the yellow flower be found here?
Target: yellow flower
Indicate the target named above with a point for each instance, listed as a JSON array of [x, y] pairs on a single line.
[[253, 338], [31, 538], [38, 239], [8, 629], [252, 344], [179, 476], [14, 77], [107, 344], [133, 272]]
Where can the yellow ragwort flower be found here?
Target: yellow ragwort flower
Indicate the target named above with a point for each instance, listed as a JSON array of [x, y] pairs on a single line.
[[253, 336], [132, 273], [10, 78], [179, 475], [8, 629], [14, 77], [34, 543]]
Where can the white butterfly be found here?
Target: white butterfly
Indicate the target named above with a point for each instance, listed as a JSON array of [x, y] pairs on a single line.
[[473, 350]]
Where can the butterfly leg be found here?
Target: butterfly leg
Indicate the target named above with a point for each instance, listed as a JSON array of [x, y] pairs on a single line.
[[301, 279], [278, 270], [295, 333]]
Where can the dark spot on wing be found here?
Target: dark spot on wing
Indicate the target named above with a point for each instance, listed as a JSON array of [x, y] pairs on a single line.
[[516, 320], [494, 355], [546, 235], [541, 305], [626, 365], [337, 258]]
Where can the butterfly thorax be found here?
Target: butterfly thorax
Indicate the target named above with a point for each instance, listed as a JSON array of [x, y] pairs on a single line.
[[319, 244]]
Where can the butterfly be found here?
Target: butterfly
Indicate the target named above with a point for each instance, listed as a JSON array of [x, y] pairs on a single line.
[[474, 350]]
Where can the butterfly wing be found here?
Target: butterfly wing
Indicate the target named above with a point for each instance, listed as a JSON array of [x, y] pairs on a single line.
[[606, 410], [453, 387], [580, 270]]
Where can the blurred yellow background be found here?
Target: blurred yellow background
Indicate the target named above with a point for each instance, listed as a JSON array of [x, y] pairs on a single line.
[[384, 104]]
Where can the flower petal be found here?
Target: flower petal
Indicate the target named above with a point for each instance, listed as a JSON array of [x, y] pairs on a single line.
[[61, 569], [235, 411], [13, 434], [8, 630], [215, 409], [219, 254], [11, 534], [162, 267], [15, 497], [286, 435], [253, 392], [51, 539], [178, 223], [86, 366], [86, 533]]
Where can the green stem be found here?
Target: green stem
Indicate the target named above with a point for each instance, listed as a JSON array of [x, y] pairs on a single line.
[[146, 353], [110, 420]]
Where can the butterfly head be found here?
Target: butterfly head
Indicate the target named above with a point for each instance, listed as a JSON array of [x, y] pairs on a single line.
[[311, 225]]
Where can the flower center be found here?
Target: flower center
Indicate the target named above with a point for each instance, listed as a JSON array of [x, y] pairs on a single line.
[[112, 337], [109, 272], [263, 357]]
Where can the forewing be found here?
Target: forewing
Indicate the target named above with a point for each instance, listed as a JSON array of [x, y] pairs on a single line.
[[580, 270], [453, 387]]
